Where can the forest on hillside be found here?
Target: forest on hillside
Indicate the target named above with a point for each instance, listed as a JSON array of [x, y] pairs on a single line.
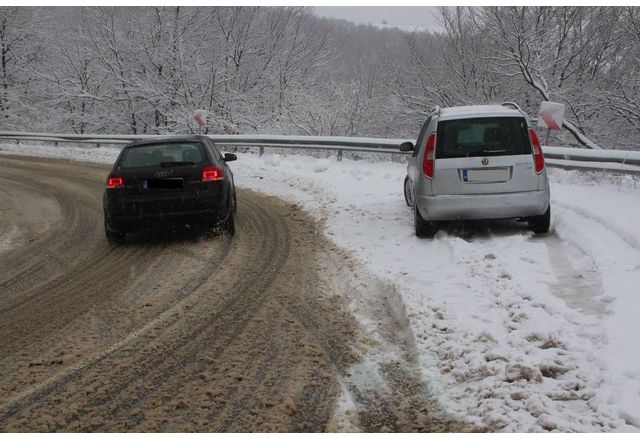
[[283, 70]]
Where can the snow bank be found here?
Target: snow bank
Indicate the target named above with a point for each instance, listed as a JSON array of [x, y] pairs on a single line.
[[602, 220], [81, 153]]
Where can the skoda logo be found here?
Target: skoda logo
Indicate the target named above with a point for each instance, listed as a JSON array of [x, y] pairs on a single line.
[[485, 161], [163, 173]]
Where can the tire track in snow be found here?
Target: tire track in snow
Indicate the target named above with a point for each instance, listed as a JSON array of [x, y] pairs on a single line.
[[617, 256]]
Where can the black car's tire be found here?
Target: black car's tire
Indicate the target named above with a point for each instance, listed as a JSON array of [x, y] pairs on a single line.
[[540, 224], [114, 236], [408, 192], [424, 228], [230, 223]]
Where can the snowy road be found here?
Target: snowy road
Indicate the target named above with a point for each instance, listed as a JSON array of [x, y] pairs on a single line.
[[512, 332], [156, 336]]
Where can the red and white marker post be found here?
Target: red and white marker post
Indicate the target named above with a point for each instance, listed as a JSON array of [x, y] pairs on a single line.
[[551, 116], [200, 116]]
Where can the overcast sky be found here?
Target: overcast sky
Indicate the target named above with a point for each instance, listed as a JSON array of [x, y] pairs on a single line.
[[404, 16]]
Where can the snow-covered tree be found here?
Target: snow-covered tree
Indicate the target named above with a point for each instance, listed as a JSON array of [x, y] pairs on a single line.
[[284, 70], [20, 47]]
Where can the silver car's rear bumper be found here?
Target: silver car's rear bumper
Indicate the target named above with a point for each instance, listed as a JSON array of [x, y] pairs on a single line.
[[483, 206]]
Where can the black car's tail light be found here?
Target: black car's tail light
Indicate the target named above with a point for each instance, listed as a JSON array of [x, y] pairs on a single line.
[[212, 173], [115, 182]]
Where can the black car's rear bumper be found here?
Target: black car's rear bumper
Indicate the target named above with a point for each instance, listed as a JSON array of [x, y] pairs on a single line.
[[134, 214]]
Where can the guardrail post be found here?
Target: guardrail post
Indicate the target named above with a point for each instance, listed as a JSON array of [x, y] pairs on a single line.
[[97, 145], [339, 155], [55, 143], [261, 151]]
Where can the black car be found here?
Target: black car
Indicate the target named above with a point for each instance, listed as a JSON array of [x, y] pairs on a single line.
[[172, 181]]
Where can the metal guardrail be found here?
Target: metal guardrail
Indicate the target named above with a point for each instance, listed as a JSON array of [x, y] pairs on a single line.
[[338, 144], [593, 155], [616, 161], [574, 165], [367, 142]]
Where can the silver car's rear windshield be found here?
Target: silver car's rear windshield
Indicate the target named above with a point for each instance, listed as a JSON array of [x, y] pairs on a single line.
[[487, 136], [162, 154]]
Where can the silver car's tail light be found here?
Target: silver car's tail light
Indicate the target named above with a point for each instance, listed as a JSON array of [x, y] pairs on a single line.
[[538, 156], [428, 162]]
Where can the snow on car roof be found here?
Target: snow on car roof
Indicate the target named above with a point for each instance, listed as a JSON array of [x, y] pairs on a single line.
[[478, 111]]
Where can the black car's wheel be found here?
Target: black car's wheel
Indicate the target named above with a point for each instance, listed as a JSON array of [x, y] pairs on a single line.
[[230, 223], [424, 228], [408, 192], [540, 224], [114, 236]]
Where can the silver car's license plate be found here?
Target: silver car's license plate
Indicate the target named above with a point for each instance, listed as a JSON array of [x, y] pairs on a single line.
[[485, 175]]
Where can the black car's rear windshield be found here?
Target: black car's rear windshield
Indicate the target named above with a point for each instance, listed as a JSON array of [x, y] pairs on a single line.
[[162, 154], [482, 136]]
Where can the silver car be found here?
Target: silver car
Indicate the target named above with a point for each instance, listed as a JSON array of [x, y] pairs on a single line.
[[477, 162]]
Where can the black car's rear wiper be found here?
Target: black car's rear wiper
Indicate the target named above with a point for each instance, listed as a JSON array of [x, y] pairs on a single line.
[[168, 164]]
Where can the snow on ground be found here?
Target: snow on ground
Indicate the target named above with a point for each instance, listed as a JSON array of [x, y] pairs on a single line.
[[499, 339], [515, 332], [83, 153], [7, 238]]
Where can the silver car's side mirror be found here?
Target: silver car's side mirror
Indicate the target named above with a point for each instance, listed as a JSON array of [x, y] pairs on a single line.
[[406, 147]]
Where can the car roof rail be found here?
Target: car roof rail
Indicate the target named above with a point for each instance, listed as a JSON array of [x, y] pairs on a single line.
[[512, 105]]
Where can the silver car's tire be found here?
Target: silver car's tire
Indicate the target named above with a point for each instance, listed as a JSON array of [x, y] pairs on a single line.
[[540, 224], [408, 192], [424, 228]]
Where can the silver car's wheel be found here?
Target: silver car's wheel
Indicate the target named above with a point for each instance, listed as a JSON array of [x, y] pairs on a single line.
[[408, 192], [424, 228], [540, 224]]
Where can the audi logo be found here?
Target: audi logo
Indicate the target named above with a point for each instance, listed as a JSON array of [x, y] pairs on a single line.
[[485, 161], [163, 173]]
